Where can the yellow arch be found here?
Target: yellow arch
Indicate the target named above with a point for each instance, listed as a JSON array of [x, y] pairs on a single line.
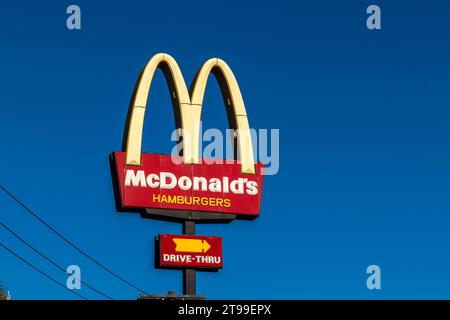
[[180, 99], [237, 114], [187, 108]]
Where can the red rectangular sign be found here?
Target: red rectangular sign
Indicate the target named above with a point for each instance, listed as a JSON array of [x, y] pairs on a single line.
[[164, 182], [190, 251]]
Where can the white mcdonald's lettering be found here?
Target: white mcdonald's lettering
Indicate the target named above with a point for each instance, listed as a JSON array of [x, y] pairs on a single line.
[[168, 180]]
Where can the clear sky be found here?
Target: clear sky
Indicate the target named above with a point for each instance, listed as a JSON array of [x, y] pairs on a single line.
[[364, 119]]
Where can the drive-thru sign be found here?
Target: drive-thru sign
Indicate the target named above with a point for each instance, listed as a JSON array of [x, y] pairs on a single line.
[[190, 251]]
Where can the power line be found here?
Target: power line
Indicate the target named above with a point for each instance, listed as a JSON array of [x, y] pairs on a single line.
[[49, 259], [40, 271], [73, 245]]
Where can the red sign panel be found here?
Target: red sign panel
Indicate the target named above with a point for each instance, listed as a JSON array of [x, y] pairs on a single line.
[[190, 251], [164, 182]]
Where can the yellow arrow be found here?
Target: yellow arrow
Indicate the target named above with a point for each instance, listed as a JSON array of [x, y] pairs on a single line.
[[191, 245]]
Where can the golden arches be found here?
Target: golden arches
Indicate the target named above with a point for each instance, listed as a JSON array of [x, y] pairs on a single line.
[[187, 108]]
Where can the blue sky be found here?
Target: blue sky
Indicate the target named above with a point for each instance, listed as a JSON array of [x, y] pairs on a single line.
[[364, 123]]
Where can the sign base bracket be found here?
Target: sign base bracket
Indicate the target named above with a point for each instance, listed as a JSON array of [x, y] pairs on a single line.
[[187, 216]]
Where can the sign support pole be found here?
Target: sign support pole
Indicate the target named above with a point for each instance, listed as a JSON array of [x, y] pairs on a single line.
[[189, 274]]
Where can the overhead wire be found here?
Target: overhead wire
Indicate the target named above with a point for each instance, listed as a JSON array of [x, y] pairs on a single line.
[[41, 272], [51, 260], [69, 242]]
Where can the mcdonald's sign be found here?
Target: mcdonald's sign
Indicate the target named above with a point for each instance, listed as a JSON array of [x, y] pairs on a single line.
[[188, 182]]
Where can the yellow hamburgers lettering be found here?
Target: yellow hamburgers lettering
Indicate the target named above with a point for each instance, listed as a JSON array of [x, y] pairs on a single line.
[[192, 200]]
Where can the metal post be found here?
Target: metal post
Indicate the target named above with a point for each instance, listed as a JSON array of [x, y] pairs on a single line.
[[189, 276]]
